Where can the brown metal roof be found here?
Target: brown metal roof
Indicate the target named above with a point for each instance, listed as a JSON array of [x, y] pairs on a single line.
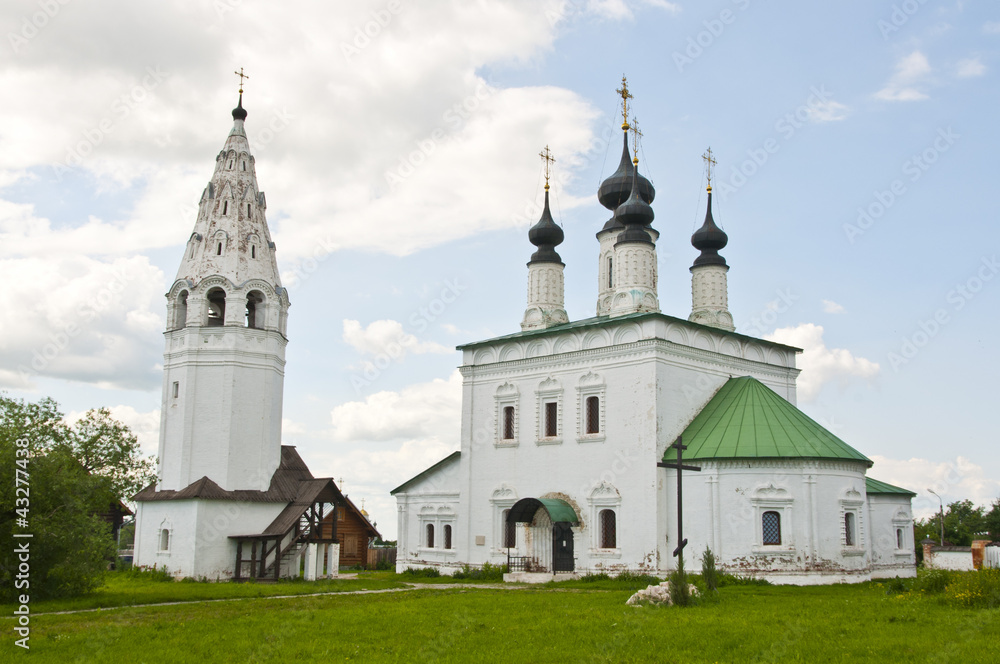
[[284, 487], [310, 491]]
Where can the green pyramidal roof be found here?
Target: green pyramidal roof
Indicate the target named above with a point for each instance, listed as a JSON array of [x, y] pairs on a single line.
[[748, 420]]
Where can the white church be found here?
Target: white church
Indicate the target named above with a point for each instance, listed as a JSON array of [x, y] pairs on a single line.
[[565, 425], [231, 501]]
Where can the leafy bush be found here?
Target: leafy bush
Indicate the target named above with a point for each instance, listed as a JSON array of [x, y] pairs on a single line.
[[932, 581], [421, 572], [733, 580], [591, 578], [146, 573], [383, 565], [488, 572], [979, 589], [709, 575]]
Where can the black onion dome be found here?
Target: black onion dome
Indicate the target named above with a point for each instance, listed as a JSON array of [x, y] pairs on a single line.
[[545, 235], [634, 214], [616, 189], [240, 113], [709, 239]]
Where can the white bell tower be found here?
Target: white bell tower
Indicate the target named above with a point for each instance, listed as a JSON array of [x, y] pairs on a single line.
[[224, 362]]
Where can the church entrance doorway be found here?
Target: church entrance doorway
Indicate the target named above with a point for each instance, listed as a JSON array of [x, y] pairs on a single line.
[[548, 536]]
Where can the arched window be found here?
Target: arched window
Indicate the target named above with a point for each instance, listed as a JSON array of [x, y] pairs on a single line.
[[255, 310], [509, 532], [181, 310], [609, 529], [248, 209], [770, 523], [253, 251], [447, 537], [216, 307], [225, 207], [165, 539], [849, 537], [593, 415], [551, 419], [899, 538], [218, 250], [611, 273], [430, 536], [244, 164]]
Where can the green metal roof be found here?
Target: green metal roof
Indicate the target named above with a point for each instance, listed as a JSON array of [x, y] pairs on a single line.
[[450, 457], [748, 420], [598, 321], [879, 487]]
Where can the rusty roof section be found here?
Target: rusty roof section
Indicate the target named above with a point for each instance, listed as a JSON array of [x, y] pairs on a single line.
[[284, 487]]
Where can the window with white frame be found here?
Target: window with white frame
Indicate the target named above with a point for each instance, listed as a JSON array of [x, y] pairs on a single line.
[[504, 534], [447, 536], [850, 530], [507, 397], [609, 529], [590, 406], [549, 411], [429, 535], [773, 509], [903, 525]]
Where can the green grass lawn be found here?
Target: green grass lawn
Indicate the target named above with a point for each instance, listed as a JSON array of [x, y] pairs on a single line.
[[857, 623]]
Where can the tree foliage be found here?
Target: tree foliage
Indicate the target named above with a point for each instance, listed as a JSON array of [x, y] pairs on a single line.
[[73, 474], [963, 522]]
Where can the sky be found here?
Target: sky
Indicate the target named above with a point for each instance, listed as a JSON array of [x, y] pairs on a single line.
[[397, 143]]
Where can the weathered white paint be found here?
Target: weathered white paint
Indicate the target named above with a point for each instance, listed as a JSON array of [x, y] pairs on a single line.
[[960, 560], [710, 297]]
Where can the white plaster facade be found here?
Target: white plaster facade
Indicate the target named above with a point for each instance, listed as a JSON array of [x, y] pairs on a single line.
[[710, 297], [545, 297]]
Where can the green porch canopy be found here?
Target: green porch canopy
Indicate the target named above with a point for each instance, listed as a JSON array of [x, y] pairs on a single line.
[[558, 510], [748, 420]]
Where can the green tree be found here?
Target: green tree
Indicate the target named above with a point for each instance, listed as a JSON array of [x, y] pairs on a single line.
[[66, 485], [991, 521]]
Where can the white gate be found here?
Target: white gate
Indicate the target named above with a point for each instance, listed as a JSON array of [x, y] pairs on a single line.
[[991, 556]]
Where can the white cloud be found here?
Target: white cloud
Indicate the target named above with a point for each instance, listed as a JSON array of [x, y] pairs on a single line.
[[826, 111], [906, 82], [425, 410], [831, 307], [79, 318], [621, 9], [953, 480], [819, 364], [387, 337], [970, 68]]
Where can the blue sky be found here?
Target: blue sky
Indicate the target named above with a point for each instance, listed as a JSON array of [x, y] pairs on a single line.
[[397, 145]]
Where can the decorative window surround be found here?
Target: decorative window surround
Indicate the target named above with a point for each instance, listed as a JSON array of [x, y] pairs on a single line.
[[503, 498], [901, 521], [604, 496], [438, 517], [507, 395], [852, 502], [771, 498], [549, 391], [590, 385]]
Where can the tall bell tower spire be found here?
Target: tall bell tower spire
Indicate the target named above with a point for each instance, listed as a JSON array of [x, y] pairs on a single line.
[[227, 314]]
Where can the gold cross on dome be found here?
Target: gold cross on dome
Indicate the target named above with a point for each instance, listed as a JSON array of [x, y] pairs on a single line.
[[636, 134], [242, 76], [626, 95], [546, 154], [709, 166]]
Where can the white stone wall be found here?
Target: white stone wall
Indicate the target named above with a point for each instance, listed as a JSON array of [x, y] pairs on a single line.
[[436, 500], [710, 297], [605, 277], [225, 420], [953, 560], [199, 544], [892, 545]]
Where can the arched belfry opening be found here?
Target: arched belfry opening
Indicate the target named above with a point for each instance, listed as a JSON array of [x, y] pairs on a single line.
[[181, 310], [255, 310], [216, 298], [549, 536]]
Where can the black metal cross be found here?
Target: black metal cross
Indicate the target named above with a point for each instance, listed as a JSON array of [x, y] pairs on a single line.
[[680, 447]]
